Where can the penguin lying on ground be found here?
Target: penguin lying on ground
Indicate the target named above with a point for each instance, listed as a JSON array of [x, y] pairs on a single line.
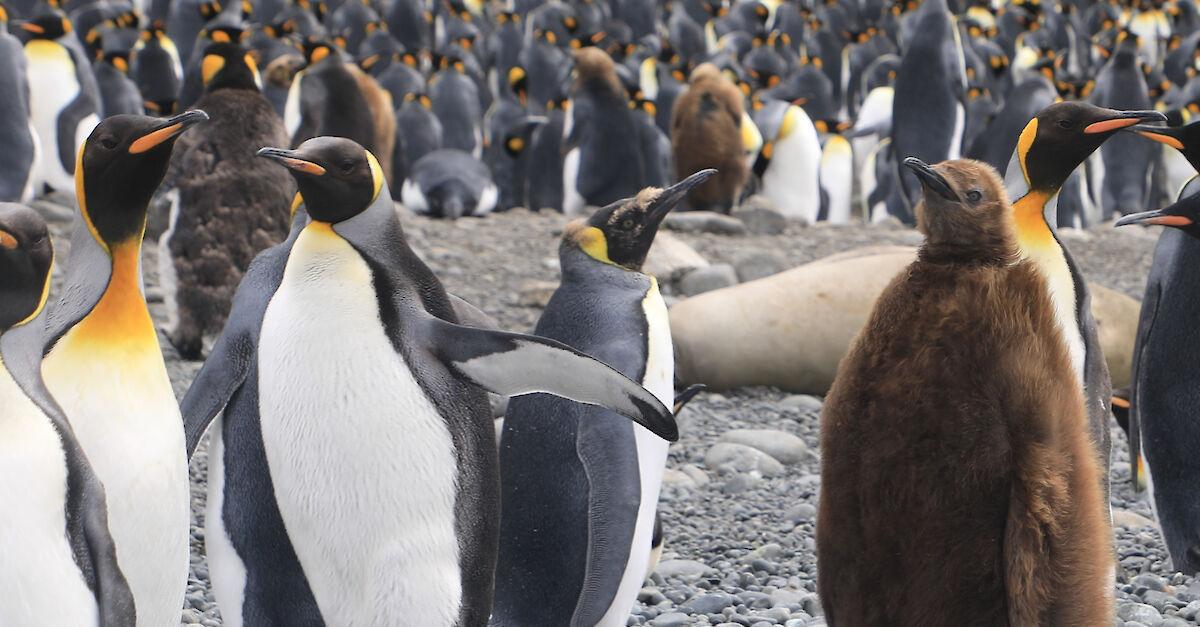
[[998, 413], [60, 560], [580, 484], [417, 417], [449, 183]]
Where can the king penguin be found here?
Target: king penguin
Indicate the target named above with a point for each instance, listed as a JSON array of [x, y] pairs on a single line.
[[60, 561], [104, 366], [359, 328], [1161, 417], [64, 112], [157, 70], [580, 484], [1050, 147], [789, 161], [230, 204], [18, 160], [325, 99]]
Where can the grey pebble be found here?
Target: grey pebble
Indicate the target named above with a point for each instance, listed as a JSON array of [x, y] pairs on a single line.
[[707, 279]]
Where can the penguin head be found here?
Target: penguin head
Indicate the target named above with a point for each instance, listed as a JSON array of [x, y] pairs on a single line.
[[1183, 215], [1063, 135], [317, 50], [621, 233], [26, 256], [965, 211], [228, 66], [120, 165], [51, 25], [1185, 139], [337, 177]]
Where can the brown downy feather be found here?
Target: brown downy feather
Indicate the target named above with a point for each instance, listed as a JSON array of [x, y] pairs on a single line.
[[958, 486], [706, 133]]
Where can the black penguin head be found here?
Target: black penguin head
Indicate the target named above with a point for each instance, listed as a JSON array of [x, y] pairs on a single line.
[[228, 66], [621, 233], [1063, 135], [1183, 215], [965, 211], [51, 25], [317, 50], [120, 165], [1185, 139], [337, 177], [25, 259]]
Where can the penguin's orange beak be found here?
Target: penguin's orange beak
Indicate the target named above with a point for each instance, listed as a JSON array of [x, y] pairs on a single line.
[[169, 129], [1161, 134], [292, 160], [1123, 119], [32, 28]]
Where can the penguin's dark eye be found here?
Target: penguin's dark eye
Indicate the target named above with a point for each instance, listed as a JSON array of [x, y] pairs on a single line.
[[347, 166], [974, 196], [108, 143], [628, 224], [1065, 124]]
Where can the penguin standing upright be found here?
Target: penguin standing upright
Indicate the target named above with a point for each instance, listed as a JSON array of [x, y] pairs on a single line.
[[118, 93], [19, 159], [999, 413], [580, 484], [600, 164], [230, 204], [1050, 147], [1161, 417], [104, 366], [837, 179], [789, 161], [325, 99], [455, 98], [418, 133], [63, 110], [1125, 186], [58, 551], [358, 327], [546, 159], [157, 70], [706, 132]]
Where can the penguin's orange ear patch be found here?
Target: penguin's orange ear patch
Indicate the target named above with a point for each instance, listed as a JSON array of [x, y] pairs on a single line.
[[7, 241], [210, 66]]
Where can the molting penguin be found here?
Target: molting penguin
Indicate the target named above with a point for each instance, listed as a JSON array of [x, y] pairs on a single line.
[[230, 204], [415, 438], [58, 551], [1161, 417], [449, 183], [63, 109], [1052, 145], [1015, 440], [580, 484], [18, 160], [601, 164], [104, 365], [706, 133]]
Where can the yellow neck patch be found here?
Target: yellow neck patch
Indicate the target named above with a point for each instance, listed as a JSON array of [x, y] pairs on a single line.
[[121, 317], [210, 66], [590, 240], [296, 202], [1032, 230], [1024, 144], [376, 175], [790, 118]]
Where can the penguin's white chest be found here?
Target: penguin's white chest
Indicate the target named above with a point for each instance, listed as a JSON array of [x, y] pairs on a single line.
[[362, 461], [791, 180], [42, 584], [52, 86]]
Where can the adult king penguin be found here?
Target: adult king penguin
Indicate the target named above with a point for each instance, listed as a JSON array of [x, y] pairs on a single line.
[[60, 563], [1164, 395], [580, 484], [912, 402], [413, 441], [1050, 147], [18, 160], [104, 365]]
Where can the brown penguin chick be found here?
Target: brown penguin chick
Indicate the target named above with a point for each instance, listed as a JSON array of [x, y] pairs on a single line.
[[706, 124], [958, 486], [596, 71], [231, 204]]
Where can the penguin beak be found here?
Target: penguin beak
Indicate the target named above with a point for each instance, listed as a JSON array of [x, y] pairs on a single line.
[[166, 130], [30, 27], [1158, 216], [292, 160], [670, 197], [1123, 119], [931, 179], [1161, 134]]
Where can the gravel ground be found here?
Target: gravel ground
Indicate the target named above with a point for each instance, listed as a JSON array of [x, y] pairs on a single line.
[[739, 523]]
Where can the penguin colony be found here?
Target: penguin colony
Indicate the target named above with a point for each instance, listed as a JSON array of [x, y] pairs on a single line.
[[355, 474]]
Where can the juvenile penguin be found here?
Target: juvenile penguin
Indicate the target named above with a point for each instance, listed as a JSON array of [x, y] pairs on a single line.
[[1161, 417], [580, 484], [104, 366], [64, 112], [60, 561], [601, 165], [18, 160], [706, 133], [230, 204], [913, 401], [414, 439]]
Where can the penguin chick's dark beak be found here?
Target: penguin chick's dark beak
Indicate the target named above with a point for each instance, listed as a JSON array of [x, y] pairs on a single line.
[[292, 160], [1158, 216], [1123, 119], [670, 197], [931, 179], [1161, 134], [167, 130]]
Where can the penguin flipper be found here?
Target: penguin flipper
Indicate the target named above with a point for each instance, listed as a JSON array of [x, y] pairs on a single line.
[[1145, 327], [222, 374], [512, 364], [684, 397]]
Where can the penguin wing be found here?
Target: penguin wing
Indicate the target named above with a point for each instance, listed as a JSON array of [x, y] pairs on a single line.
[[86, 280], [512, 364], [1145, 327]]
